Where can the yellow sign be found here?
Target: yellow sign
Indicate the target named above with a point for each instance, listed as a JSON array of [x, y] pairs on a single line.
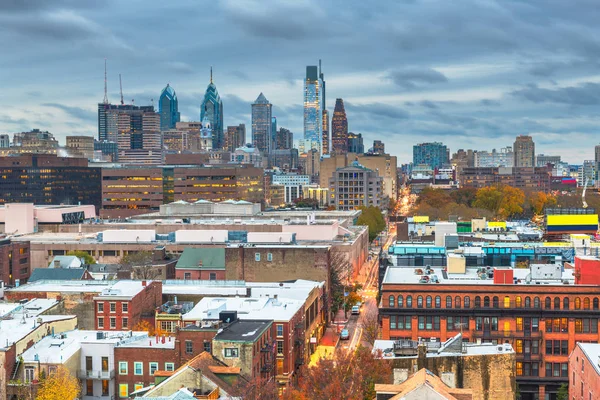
[[421, 219]]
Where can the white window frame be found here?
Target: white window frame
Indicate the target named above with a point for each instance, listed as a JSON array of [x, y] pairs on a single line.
[[121, 385], [126, 364], [169, 366], [29, 374], [232, 352], [125, 323], [100, 326], [257, 257], [150, 365], [135, 365], [125, 307], [269, 256], [277, 330], [110, 307], [101, 306]]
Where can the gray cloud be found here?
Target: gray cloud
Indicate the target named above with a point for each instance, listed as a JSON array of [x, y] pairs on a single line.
[[375, 110], [75, 112], [410, 78], [585, 94]]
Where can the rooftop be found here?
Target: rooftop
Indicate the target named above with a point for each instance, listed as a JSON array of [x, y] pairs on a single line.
[[153, 342], [298, 289], [122, 288], [243, 331], [592, 352]]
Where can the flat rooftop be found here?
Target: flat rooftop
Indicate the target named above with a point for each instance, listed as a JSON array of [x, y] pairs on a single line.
[[243, 331], [126, 288], [151, 342], [298, 289]]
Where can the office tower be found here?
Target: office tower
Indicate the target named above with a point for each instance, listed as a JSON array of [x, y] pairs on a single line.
[[313, 107], [355, 186], [212, 107], [110, 149], [542, 160], [139, 138], [284, 139], [4, 141], [34, 141], [355, 143], [504, 158], [597, 159], [310, 162], [168, 108], [586, 175], [326, 140], [83, 146], [261, 124], [339, 129], [435, 154], [273, 133], [235, 137], [378, 147], [292, 184], [286, 159], [524, 151]]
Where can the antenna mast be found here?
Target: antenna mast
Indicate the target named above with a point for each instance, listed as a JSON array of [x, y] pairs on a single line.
[[121, 87], [105, 86]]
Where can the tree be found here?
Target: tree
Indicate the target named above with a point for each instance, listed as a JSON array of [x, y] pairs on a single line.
[[139, 263], [87, 258], [563, 392], [369, 322], [538, 201], [434, 197], [339, 276], [59, 385], [306, 203], [489, 198], [502, 201], [464, 196], [373, 218], [144, 326]]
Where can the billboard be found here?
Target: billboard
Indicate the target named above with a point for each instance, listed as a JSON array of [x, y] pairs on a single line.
[[577, 223]]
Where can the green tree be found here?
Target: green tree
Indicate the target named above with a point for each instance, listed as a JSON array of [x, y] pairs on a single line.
[[563, 392], [87, 258], [373, 218], [464, 196], [502, 201]]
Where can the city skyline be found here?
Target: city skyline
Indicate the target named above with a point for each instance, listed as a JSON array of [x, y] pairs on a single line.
[[484, 89]]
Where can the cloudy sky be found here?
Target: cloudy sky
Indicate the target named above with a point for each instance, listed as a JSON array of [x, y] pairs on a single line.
[[470, 73]]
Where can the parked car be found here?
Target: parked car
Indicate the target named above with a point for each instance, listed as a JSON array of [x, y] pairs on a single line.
[[355, 310], [344, 335]]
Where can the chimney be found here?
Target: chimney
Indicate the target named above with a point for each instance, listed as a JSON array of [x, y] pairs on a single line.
[[144, 283], [56, 263], [421, 356]]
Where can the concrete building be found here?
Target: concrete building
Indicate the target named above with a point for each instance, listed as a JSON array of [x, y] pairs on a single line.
[[355, 186], [4, 141], [261, 124], [486, 159], [378, 147], [33, 142], [108, 149], [235, 137], [22, 218], [293, 184], [286, 160], [249, 155], [542, 160], [315, 192], [355, 143], [584, 381], [524, 151], [83, 146], [310, 163], [536, 178]]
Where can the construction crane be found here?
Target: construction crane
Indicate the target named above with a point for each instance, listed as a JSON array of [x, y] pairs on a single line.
[[585, 205], [121, 87]]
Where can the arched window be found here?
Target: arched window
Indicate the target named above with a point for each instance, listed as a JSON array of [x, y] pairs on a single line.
[[527, 302], [586, 303], [486, 301], [467, 302], [547, 303], [457, 302], [566, 303], [448, 301], [428, 302], [595, 303], [556, 303], [518, 302], [506, 302], [495, 303], [392, 301], [477, 301], [420, 302], [577, 303], [400, 302], [438, 302], [408, 301], [536, 302]]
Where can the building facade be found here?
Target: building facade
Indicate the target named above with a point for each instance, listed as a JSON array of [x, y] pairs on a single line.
[[355, 143], [168, 108], [584, 381], [293, 184], [82, 145], [339, 129], [378, 147], [212, 108], [15, 262], [524, 151], [284, 139], [313, 107], [433, 154], [262, 124], [502, 158], [355, 186], [235, 137]]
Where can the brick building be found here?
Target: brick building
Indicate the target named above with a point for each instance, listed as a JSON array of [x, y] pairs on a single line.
[[126, 303], [15, 262], [539, 311], [584, 365], [532, 178]]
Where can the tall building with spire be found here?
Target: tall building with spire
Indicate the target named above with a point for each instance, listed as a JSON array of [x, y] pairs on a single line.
[[168, 108], [262, 124], [339, 128], [212, 108], [314, 91]]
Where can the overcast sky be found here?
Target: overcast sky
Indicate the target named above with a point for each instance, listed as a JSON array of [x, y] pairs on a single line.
[[469, 73]]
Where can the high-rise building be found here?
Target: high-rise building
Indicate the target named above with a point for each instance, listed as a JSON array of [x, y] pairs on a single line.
[[139, 138], [286, 160], [109, 149], [235, 137], [82, 145], [314, 88], [524, 151], [4, 141], [212, 107], [339, 128], [355, 143], [273, 133], [542, 160], [435, 154], [168, 108], [503, 158], [262, 124], [284, 139], [34, 141], [597, 159], [326, 139], [310, 162], [355, 186], [378, 147]]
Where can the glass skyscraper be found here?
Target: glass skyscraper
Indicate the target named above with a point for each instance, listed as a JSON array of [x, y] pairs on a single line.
[[262, 124], [212, 107], [435, 154], [314, 94], [339, 128], [168, 108]]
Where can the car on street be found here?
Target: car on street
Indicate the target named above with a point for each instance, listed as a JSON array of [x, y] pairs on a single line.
[[344, 335], [355, 310]]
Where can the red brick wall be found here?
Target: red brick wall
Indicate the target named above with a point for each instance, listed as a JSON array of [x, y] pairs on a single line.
[[583, 378], [200, 275], [197, 337], [17, 266]]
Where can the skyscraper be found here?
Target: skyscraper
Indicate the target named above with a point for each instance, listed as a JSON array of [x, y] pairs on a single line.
[[597, 159], [236, 137], [273, 133], [339, 128], [284, 139], [524, 151], [355, 143], [314, 88], [378, 147], [326, 140], [212, 107], [324, 114], [168, 108], [261, 123], [435, 154]]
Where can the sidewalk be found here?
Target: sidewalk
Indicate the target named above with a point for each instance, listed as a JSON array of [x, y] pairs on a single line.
[[325, 349]]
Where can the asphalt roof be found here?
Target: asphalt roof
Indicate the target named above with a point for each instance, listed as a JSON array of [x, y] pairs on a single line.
[[211, 258], [66, 274], [243, 331]]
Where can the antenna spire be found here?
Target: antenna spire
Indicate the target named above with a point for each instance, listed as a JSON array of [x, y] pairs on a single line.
[[121, 87], [211, 75], [105, 85]]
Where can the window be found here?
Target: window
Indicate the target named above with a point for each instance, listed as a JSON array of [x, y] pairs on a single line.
[[187, 275], [124, 322], [404, 322], [428, 302], [457, 323], [577, 303], [113, 322], [448, 301], [169, 366], [137, 386], [518, 303], [438, 302], [586, 303], [113, 307], [429, 323], [393, 322], [519, 368], [231, 352], [152, 367], [125, 307], [256, 256], [189, 347], [89, 387], [506, 302], [123, 390], [486, 301], [100, 323], [467, 301], [519, 324], [207, 346], [556, 303], [212, 276], [408, 301], [477, 302], [138, 368], [280, 347], [595, 302], [547, 305], [269, 256], [123, 367], [279, 330], [566, 303], [536, 302], [29, 374], [420, 302], [104, 388], [586, 325], [457, 302], [478, 323], [100, 307], [400, 302], [527, 302], [391, 300], [495, 302]]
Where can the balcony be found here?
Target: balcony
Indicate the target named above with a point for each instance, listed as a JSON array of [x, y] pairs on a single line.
[[100, 375]]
